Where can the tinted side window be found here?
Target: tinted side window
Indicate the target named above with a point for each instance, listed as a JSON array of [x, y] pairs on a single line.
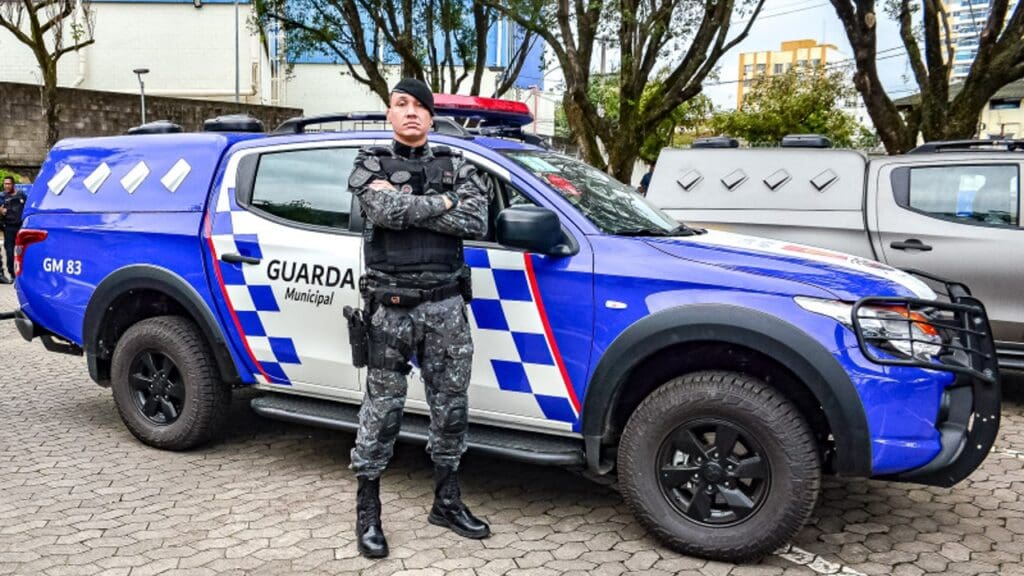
[[306, 186], [971, 194]]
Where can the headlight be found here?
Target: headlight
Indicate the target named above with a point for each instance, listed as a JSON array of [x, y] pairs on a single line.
[[896, 328]]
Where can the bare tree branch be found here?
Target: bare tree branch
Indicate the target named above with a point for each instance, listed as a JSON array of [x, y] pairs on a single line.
[[910, 42], [74, 48]]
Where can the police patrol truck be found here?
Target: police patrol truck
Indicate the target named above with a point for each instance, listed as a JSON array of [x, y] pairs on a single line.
[[720, 376]]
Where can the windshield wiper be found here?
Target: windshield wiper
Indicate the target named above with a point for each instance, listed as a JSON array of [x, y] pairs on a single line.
[[680, 230], [638, 232]]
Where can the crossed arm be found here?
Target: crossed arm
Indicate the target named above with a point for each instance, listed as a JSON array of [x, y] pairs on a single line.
[[460, 213]]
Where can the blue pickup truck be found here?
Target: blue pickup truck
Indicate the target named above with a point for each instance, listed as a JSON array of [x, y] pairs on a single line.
[[719, 376]]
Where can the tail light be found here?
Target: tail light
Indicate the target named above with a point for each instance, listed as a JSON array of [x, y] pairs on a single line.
[[24, 239]]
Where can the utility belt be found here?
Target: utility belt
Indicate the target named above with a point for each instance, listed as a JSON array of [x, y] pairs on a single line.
[[410, 297], [369, 345], [379, 294]]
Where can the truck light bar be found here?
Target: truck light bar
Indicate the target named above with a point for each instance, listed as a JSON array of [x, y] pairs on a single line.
[[492, 111]]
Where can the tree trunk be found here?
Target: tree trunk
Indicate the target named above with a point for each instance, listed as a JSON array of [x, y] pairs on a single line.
[[480, 22], [892, 129], [623, 150], [50, 103], [582, 125], [623, 154]]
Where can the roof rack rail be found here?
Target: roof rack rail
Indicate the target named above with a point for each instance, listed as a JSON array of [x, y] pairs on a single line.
[[715, 142], [514, 132], [969, 146], [806, 141], [297, 125]]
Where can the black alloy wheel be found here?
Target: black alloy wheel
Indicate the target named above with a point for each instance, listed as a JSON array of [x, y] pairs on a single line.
[[713, 472], [165, 383], [158, 389]]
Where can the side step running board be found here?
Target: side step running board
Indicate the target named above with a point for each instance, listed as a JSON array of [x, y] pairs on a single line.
[[503, 443]]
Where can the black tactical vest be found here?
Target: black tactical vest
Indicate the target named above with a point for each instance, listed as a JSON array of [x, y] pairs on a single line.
[[415, 249]]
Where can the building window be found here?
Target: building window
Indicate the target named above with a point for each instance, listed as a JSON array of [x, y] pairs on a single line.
[[748, 70], [777, 69], [816, 63], [1004, 104], [761, 68]]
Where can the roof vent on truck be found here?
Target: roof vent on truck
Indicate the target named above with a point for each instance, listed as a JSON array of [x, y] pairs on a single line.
[[156, 127], [233, 123], [806, 141], [715, 142]]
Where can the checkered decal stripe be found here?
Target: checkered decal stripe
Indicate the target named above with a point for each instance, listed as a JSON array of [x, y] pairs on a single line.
[[251, 303], [516, 355], [513, 351]]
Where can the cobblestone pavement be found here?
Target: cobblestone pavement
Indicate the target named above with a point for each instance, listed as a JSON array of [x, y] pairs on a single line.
[[81, 496]]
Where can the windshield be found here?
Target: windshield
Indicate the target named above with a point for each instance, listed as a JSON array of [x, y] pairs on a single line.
[[611, 205]]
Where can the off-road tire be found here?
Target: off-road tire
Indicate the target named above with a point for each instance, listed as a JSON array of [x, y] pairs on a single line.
[[206, 397], [794, 466]]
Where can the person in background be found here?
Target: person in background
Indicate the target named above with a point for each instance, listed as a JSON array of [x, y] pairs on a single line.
[[10, 220], [645, 181]]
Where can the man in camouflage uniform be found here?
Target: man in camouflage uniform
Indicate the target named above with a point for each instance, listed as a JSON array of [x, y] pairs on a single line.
[[419, 204]]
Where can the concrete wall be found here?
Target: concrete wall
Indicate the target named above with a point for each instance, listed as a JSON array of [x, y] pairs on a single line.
[[93, 113], [190, 54]]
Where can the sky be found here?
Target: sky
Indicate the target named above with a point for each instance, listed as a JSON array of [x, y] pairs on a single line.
[[816, 20]]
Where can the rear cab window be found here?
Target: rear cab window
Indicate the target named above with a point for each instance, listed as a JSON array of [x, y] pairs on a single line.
[[981, 194]]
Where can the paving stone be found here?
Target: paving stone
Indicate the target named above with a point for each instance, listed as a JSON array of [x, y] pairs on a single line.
[[83, 496], [956, 552]]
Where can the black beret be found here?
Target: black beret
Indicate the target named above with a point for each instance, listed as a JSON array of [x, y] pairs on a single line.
[[419, 90]]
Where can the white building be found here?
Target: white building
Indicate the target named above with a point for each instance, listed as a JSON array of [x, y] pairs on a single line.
[[189, 48], [966, 20]]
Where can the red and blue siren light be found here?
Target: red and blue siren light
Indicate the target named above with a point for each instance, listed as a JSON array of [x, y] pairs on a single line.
[[491, 111]]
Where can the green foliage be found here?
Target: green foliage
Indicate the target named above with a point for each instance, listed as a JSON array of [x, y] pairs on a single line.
[[797, 102], [605, 93], [18, 179]]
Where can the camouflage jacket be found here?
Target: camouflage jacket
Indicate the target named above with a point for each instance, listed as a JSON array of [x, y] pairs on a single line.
[[398, 209]]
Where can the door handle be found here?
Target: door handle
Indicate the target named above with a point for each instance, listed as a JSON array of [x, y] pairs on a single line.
[[911, 244], [239, 259]]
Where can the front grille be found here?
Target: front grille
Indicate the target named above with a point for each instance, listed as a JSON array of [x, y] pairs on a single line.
[[959, 319]]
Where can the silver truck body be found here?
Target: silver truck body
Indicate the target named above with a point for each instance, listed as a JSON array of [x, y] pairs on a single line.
[[950, 214]]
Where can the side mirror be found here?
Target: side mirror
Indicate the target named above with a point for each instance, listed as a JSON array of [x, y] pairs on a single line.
[[532, 228]]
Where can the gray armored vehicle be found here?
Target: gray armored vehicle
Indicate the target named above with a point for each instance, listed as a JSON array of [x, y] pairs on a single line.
[[949, 209]]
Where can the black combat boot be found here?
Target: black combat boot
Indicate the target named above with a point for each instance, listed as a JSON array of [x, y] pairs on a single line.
[[448, 509], [369, 534]]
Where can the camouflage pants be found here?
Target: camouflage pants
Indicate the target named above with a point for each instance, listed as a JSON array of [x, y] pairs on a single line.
[[439, 334]]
